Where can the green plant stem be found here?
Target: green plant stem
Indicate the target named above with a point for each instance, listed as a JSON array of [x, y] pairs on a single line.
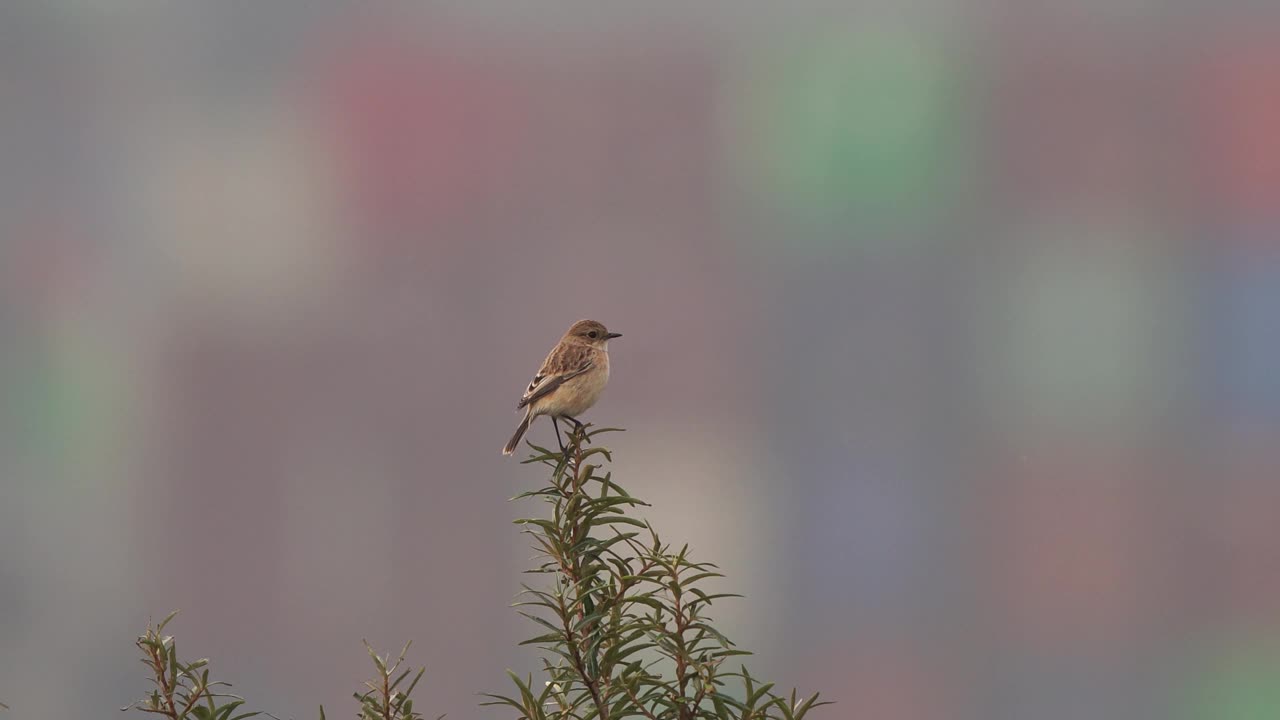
[[386, 693], [575, 576], [162, 679]]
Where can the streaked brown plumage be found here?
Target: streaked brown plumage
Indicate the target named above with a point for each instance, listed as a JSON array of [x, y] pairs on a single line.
[[570, 379]]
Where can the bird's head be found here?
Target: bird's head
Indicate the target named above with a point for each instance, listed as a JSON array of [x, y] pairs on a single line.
[[590, 332]]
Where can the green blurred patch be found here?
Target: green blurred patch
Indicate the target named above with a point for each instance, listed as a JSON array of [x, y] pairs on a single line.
[[1242, 683], [855, 130], [67, 407]]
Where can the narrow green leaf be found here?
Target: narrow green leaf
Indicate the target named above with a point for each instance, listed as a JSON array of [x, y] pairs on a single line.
[[165, 621], [541, 639], [414, 683]]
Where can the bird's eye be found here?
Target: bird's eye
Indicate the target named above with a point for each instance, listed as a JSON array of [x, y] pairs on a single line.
[[592, 334]]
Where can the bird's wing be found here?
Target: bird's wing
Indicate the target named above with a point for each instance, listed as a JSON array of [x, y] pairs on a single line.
[[563, 364]]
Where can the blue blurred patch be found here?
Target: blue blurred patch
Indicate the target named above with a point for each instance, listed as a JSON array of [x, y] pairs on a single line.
[[1241, 334]]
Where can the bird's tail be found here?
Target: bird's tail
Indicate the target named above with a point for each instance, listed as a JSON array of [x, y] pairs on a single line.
[[515, 439]]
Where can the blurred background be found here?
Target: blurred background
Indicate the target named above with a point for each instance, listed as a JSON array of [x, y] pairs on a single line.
[[952, 333]]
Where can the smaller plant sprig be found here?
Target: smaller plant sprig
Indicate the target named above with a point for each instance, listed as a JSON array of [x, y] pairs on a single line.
[[182, 689], [384, 700]]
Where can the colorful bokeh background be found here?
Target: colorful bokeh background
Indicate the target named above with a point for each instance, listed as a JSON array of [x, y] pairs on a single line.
[[952, 333]]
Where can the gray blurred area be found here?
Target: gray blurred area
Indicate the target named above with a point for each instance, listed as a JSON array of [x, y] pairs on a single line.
[[950, 333]]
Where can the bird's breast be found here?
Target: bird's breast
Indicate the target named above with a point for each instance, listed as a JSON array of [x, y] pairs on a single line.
[[580, 393]]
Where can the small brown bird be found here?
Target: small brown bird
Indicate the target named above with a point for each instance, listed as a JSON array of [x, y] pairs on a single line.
[[570, 379]]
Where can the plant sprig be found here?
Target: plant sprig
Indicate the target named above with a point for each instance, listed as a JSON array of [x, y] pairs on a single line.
[[625, 621], [182, 689], [384, 698]]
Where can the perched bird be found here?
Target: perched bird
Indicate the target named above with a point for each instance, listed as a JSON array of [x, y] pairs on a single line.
[[569, 381]]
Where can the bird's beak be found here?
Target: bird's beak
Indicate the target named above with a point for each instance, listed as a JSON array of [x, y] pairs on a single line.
[[610, 336]]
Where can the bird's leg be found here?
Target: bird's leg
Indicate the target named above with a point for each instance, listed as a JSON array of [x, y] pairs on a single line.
[[559, 442], [577, 425]]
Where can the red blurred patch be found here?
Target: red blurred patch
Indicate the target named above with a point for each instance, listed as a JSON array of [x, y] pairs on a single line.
[[1073, 542], [1238, 103], [47, 263], [420, 129], [880, 678]]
